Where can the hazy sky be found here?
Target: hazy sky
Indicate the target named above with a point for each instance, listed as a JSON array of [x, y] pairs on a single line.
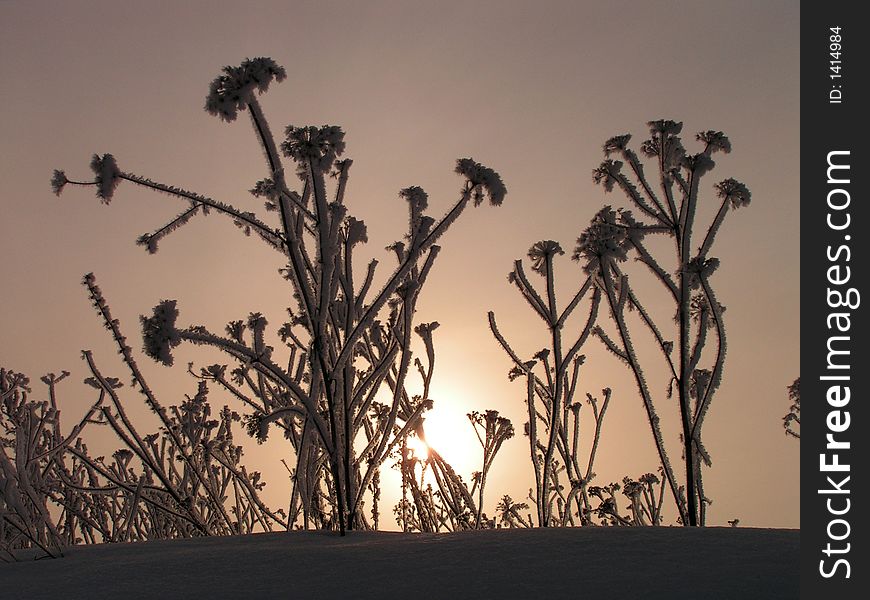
[[531, 89]]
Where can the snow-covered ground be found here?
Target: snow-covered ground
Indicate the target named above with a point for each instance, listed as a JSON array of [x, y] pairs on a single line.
[[644, 563]]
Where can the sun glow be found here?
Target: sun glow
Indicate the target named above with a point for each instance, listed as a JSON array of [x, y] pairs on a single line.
[[449, 433], [418, 447]]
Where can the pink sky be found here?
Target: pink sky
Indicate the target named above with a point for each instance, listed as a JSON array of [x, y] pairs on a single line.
[[529, 89]]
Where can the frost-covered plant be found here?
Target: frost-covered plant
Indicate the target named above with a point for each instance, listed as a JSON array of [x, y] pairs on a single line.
[[496, 430], [668, 204], [645, 495], [509, 513], [191, 469], [553, 428], [448, 505], [30, 441], [185, 480], [343, 339], [792, 421]]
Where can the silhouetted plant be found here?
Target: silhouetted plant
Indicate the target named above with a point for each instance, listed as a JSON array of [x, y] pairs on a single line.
[[509, 513], [343, 342], [616, 234], [645, 505], [194, 461], [792, 421], [447, 506], [645, 502], [450, 504], [30, 439], [185, 480], [553, 428], [496, 430]]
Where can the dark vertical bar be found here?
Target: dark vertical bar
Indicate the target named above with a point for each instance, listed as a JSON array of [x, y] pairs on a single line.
[[834, 336]]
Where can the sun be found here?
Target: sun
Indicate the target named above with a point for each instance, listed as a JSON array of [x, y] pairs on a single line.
[[449, 432], [419, 449]]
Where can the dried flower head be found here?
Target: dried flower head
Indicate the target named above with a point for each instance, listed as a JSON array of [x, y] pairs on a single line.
[[607, 173], [649, 478], [734, 192], [716, 141], [159, 334], [107, 176], [701, 268], [416, 197], [665, 127], [234, 90], [320, 145], [356, 231], [541, 252], [617, 143], [483, 179], [699, 163], [58, 180], [665, 143], [424, 330], [602, 241], [122, 456]]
